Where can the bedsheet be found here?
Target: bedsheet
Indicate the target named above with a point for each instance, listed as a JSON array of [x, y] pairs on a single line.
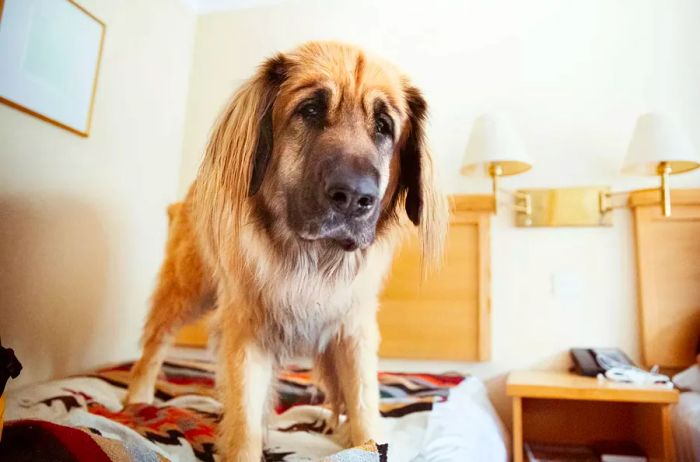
[[425, 417], [685, 419]]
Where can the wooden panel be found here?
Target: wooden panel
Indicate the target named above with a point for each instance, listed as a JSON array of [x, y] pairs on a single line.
[[446, 316], [576, 422], [654, 430], [517, 429], [668, 273], [652, 197]]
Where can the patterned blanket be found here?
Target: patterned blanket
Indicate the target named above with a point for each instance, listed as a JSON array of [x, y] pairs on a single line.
[[181, 425]]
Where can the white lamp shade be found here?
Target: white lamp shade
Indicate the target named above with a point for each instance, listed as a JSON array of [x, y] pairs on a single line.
[[658, 138], [493, 141]]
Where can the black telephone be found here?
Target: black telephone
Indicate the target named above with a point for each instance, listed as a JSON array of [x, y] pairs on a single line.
[[593, 361]]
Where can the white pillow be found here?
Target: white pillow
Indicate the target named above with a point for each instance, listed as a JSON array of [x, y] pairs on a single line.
[[688, 379]]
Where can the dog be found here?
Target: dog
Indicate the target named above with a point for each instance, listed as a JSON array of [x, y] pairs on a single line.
[[313, 172]]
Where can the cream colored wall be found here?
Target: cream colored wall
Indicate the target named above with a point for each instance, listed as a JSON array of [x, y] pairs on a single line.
[[573, 76], [82, 221]]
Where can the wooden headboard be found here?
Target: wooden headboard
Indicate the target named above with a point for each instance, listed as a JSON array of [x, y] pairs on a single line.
[[668, 277], [445, 317]]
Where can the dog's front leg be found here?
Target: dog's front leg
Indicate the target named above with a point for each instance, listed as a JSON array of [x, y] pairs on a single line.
[[355, 357], [245, 376]]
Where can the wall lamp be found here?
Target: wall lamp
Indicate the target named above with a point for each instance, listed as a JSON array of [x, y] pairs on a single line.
[[658, 147], [494, 149]]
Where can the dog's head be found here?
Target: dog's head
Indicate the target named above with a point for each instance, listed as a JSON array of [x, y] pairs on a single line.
[[325, 144]]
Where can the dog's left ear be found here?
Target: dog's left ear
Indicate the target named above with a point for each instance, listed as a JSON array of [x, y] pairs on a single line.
[[412, 153], [425, 205]]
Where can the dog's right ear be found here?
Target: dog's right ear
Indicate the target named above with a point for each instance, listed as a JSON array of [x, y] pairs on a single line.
[[241, 141], [272, 74], [241, 144]]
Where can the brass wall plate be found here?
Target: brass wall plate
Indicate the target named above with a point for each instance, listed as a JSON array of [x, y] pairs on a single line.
[[565, 207]]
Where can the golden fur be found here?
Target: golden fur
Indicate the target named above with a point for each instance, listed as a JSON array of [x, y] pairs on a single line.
[[278, 295]]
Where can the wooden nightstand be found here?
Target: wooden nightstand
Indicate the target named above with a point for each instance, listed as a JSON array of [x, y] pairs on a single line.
[[560, 407]]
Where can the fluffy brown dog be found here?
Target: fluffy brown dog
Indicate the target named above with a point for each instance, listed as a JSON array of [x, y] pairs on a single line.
[[289, 230]]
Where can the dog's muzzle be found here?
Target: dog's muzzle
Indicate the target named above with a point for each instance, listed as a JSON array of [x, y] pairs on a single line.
[[342, 206], [350, 191]]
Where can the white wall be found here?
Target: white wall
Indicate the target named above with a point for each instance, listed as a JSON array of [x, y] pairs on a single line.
[[82, 221], [572, 75]]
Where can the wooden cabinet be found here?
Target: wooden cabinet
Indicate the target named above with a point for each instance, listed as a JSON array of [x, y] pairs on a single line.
[[560, 407]]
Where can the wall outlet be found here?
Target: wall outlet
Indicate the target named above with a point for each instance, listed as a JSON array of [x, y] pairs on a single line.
[[567, 285]]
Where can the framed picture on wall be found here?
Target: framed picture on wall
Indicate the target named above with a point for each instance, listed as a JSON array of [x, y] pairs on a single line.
[[50, 54]]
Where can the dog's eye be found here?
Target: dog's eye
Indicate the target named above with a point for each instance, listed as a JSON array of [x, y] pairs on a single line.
[[382, 125], [311, 110]]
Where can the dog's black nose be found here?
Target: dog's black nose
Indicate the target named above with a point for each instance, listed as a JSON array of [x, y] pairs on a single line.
[[352, 194]]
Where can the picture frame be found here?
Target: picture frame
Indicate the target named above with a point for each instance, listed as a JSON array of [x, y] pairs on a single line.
[[50, 53]]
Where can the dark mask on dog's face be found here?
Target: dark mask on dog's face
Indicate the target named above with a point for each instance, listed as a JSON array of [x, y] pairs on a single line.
[[339, 143]]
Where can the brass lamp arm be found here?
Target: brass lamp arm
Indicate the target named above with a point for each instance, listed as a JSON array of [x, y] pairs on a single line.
[[606, 200], [664, 172], [522, 202]]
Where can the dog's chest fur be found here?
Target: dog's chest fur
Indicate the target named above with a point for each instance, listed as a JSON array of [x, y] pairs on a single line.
[[302, 300], [302, 316]]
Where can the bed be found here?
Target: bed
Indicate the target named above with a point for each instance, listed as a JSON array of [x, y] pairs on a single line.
[[425, 417], [668, 272]]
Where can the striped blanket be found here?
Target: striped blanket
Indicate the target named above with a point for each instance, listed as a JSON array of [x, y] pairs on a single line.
[[85, 413]]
